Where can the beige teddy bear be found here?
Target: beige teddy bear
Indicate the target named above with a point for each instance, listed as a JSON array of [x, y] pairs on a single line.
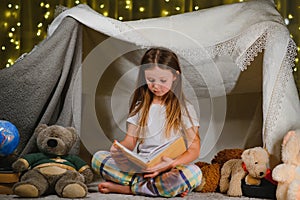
[[287, 174], [252, 166]]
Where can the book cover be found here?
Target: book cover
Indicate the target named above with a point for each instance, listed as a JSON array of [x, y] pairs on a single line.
[[171, 149]]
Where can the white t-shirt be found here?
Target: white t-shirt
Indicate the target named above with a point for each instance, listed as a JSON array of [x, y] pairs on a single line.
[[154, 135]]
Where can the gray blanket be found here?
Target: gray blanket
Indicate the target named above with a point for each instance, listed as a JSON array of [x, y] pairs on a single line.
[[37, 88]]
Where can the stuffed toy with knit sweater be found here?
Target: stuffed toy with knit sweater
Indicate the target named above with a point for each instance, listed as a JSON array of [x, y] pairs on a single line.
[[53, 170]]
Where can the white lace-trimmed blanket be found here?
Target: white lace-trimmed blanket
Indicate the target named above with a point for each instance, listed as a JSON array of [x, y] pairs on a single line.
[[216, 46]]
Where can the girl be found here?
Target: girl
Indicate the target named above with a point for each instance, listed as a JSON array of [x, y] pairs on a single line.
[[158, 112]]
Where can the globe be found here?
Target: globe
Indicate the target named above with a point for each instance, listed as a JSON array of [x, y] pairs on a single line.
[[9, 137]]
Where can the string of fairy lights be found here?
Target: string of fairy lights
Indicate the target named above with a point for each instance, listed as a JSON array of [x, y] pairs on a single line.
[[24, 23]]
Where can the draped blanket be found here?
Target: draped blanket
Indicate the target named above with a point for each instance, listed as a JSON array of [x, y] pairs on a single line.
[[237, 67]]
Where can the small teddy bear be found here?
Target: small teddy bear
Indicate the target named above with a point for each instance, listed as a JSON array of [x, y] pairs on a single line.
[[287, 174], [53, 170], [252, 166], [211, 173]]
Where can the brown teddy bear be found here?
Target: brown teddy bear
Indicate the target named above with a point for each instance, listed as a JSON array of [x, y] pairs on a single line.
[[287, 174], [211, 173], [253, 166], [227, 154], [53, 170], [210, 177]]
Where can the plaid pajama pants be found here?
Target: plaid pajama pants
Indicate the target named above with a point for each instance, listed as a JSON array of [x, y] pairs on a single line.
[[168, 184]]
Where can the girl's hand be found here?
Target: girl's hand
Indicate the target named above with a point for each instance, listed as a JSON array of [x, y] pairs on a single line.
[[121, 161], [166, 164]]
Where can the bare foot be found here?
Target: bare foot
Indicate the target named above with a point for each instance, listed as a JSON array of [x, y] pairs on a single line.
[[111, 187]]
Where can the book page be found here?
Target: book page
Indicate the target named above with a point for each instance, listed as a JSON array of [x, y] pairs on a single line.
[[161, 148], [130, 154], [171, 149]]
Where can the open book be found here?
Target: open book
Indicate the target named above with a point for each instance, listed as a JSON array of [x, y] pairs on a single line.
[[171, 149]]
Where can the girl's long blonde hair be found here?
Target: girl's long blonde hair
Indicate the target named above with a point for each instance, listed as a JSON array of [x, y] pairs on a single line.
[[174, 100]]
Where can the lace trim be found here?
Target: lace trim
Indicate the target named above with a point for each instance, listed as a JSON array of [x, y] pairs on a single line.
[[224, 48], [285, 74], [228, 48], [257, 47]]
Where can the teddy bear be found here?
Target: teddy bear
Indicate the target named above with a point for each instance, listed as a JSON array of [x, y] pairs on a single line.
[[52, 170], [211, 173], [210, 177], [287, 174], [252, 166], [227, 154]]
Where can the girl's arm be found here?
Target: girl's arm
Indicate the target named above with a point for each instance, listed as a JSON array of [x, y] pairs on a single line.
[[130, 140], [193, 150]]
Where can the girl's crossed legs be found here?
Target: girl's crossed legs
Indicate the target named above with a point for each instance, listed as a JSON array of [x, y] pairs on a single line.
[[178, 181]]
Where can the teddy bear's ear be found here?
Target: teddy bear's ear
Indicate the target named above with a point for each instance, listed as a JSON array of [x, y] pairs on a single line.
[[73, 130], [31, 145], [246, 154], [39, 128]]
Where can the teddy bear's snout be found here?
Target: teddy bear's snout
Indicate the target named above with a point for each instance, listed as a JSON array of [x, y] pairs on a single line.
[[52, 143], [261, 173]]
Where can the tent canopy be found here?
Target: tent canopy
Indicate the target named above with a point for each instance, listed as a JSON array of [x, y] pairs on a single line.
[[237, 68]]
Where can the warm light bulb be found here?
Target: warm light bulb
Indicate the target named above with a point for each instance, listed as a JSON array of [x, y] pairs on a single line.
[[5, 24], [40, 25], [19, 24], [120, 18], [196, 7], [12, 29], [47, 14], [77, 2], [10, 34], [7, 14], [47, 5], [42, 4], [3, 48], [177, 8], [165, 12], [17, 47], [290, 16], [39, 32], [9, 5], [16, 7], [141, 9], [105, 13], [286, 21], [102, 6]]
